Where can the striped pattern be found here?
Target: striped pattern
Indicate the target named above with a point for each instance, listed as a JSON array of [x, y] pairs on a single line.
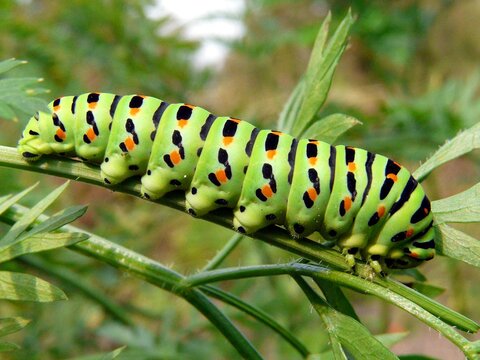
[[368, 203]]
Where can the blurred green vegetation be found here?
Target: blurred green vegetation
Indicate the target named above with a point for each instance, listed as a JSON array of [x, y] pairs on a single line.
[[410, 75]]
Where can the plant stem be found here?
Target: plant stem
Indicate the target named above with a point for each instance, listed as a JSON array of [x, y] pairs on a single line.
[[343, 279], [275, 236]]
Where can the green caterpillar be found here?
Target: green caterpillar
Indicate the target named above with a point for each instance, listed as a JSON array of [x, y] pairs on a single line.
[[370, 205]]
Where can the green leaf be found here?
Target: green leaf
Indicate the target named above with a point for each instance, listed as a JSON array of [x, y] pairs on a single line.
[[258, 314], [320, 72], [24, 287], [28, 218], [413, 272], [6, 112], [330, 128], [351, 334], [457, 245], [102, 356], [429, 290], [8, 200], [290, 111], [392, 338], [8, 346], [41, 242], [24, 103], [9, 64], [11, 325], [462, 207], [461, 144], [6, 85], [336, 298], [56, 221]]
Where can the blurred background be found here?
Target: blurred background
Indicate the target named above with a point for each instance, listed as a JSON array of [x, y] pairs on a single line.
[[411, 75]]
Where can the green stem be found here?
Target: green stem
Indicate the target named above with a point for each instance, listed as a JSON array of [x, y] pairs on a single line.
[[275, 236], [231, 245], [75, 281], [342, 279], [154, 273], [79, 171]]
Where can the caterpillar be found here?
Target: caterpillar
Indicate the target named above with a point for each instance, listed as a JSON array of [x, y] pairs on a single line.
[[369, 205]]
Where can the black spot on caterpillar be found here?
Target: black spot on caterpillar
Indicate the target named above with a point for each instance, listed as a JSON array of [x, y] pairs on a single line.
[[368, 203]]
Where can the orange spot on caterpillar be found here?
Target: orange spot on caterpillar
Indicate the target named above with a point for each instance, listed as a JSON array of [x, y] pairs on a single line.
[[352, 167], [182, 123], [381, 211], [312, 194], [312, 160], [92, 105], [347, 201], [190, 106], [316, 142], [61, 134], [277, 132], [425, 210], [413, 255], [175, 157], [221, 176], [129, 143], [271, 154], [56, 108], [409, 232], [227, 140], [235, 120], [91, 134], [134, 111], [267, 191], [393, 177]]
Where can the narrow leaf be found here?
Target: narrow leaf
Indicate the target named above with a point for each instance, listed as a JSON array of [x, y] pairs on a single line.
[[317, 56], [462, 207], [57, 220], [461, 144], [11, 325], [290, 111], [336, 298], [330, 128], [318, 79], [391, 339], [41, 242], [457, 245], [4, 205], [8, 346], [429, 290], [6, 112], [29, 217], [9, 64], [257, 314], [292, 107], [17, 286], [6, 85], [352, 335], [101, 356]]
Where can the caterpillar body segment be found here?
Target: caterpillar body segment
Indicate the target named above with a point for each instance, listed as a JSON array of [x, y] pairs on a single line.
[[370, 205]]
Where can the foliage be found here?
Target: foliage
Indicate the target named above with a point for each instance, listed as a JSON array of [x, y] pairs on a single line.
[[26, 238], [324, 268], [102, 44]]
